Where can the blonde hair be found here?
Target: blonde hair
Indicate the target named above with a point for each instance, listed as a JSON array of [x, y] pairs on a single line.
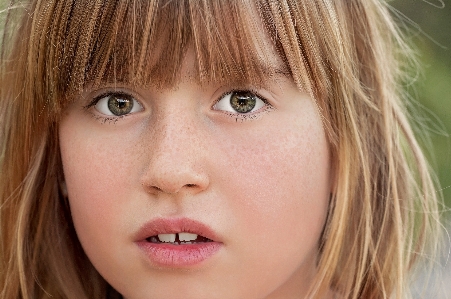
[[346, 54]]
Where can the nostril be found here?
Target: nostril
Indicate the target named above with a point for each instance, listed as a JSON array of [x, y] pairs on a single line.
[[174, 182], [163, 190], [156, 188]]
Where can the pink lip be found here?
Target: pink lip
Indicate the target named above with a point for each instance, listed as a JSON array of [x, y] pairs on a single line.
[[177, 256]]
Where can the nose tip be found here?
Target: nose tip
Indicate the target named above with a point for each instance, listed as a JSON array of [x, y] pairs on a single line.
[[175, 170], [182, 181]]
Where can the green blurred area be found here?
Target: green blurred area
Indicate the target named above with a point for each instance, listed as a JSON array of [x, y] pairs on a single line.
[[427, 24]]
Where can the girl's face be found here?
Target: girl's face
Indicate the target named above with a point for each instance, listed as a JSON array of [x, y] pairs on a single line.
[[246, 169]]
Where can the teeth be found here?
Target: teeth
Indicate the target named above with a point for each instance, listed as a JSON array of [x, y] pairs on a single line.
[[185, 237], [167, 238]]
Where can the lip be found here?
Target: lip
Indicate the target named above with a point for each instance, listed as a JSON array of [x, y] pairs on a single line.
[[177, 256]]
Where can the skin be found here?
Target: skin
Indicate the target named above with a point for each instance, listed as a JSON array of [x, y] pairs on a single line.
[[261, 183]]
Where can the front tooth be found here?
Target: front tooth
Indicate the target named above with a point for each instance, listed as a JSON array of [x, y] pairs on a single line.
[[184, 237], [167, 238]]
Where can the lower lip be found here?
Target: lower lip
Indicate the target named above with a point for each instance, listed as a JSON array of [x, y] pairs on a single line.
[[176, 256]]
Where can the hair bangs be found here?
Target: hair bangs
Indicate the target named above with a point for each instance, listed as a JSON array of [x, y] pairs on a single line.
[[144, 43]]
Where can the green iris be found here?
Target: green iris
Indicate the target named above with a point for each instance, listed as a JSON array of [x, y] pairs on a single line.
[[120, 104], [242, 101]]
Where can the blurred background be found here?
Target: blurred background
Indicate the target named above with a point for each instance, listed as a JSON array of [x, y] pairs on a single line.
[[427, 24]]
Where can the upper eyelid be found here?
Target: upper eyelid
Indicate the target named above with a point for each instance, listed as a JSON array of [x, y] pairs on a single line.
[[94, 99], [252, 90]]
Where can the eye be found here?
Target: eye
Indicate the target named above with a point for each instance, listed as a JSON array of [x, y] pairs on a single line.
[[116, 104], [240, 102]]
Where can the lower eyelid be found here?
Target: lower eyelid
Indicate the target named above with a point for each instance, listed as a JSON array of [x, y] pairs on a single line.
[[249, 116], [107, 119]]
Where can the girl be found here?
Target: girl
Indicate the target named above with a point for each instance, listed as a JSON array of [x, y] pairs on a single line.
[[207, 149]]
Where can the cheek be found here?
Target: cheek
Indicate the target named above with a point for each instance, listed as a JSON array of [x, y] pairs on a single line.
[[280, 180], [292, 159], [91, 169], [98, 174]]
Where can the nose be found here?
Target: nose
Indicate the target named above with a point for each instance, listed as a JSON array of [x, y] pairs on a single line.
[[175, 155]]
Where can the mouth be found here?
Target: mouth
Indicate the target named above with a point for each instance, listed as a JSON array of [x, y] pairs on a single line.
[[177, 243], [181, 238]]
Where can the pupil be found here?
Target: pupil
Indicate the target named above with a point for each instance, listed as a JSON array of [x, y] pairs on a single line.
[[120, 104], [242, 101]]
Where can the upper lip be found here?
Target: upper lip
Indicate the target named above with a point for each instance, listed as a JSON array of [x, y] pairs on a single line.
[[175, 225]]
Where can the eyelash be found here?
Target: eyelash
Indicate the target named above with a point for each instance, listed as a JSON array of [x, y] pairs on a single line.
[[238, 116]]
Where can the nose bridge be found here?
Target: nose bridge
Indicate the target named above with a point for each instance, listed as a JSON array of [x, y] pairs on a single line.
[[175, 134], [175, 152]]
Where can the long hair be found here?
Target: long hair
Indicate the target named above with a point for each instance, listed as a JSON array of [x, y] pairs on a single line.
[[346, 54]]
